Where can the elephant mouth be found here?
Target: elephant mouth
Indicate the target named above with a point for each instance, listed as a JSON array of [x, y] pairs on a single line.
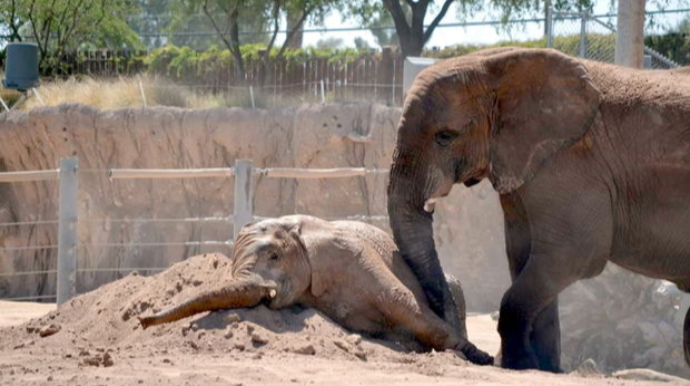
[[430, 203]]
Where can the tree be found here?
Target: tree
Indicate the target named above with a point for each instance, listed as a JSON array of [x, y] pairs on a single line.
[[408, 16], [11, 19], [229, 17], [152, 20], [409, 24], [60, 26], [384, 36], [331, 42]]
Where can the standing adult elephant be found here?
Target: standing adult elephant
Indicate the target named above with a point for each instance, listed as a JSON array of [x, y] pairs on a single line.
[[592, 164]]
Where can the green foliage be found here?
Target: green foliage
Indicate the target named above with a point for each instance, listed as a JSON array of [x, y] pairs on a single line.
[[64, 25], [187, 66], [675, 44], [603, 45], [59, 27]]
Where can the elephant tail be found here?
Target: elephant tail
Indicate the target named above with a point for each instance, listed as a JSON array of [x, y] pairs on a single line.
[[241, 293]]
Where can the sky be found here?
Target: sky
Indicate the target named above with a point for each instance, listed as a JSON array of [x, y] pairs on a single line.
[[450, 36]]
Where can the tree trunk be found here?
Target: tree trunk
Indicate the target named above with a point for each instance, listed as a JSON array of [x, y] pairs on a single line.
[[630, 36], [293, 19], [240, 73]]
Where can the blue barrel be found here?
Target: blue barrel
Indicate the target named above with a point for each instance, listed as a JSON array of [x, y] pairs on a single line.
[[21, 66]]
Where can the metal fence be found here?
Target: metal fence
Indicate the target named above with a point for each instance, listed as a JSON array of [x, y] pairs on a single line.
[[588, 36], [67, 246]]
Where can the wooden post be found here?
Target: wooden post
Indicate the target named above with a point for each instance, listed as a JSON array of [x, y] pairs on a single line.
[[67, 231], [244, 195], [630, 34]]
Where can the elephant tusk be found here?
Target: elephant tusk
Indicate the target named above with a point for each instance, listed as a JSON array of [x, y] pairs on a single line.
[[430, 204], [272, 293]]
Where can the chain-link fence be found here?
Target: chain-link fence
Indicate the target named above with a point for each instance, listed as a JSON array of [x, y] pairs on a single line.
[[585, 35]]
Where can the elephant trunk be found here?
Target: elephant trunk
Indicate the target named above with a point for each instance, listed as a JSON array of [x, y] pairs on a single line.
[[414, 236], [242, 293]]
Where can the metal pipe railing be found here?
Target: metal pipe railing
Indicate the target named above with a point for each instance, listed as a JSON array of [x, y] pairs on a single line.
[[68, 176]]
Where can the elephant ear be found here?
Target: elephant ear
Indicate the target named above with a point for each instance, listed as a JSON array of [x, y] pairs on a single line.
[[544, 102], [311, 245], [329, 256]]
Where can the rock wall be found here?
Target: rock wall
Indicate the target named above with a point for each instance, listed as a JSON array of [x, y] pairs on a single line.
[[618, 319]]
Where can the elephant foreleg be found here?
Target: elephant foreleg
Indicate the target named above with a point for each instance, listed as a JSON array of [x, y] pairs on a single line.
[[545, 338], [532, 293]]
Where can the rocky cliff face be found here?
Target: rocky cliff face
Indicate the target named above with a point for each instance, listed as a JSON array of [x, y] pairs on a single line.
[[618, 320]]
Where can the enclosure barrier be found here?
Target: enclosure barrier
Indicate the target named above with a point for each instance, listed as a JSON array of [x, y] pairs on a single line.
[[595, 38], [68, 218]]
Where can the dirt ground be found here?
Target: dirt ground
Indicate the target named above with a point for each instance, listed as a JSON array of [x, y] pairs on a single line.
[[95, 339]]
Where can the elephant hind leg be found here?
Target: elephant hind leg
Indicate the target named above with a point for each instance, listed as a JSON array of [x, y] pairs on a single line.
[[400, 307], [684, 285], [686, 337]]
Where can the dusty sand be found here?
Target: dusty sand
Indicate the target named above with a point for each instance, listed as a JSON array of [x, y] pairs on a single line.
[[99, 342]]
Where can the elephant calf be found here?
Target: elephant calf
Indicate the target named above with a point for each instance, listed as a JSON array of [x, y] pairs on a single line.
[[350, 271]]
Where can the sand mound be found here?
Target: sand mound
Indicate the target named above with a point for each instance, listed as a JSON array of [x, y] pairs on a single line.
[[105, 320]]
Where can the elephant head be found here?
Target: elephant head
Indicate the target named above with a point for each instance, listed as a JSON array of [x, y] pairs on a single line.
[[270, 265], [499, 114]]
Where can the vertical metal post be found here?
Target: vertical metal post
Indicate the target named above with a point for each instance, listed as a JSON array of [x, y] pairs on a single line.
[[4, 105], [244, 195], [67, 231], [38, 96], [549, 27], [393, 85], [141, 90], [647, 62], [583, 35], [323, 93]]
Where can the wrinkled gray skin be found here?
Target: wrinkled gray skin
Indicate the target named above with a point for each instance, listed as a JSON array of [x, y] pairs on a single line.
[[592, 164], [350, 271]]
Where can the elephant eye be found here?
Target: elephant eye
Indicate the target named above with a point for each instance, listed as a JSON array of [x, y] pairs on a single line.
[[273, 256], [445, 137]]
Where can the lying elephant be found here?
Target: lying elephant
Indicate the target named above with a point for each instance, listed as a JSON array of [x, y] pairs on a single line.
[[350, 271], [592, 164]]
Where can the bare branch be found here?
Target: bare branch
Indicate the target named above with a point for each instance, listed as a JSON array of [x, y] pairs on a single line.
[[276, 25], [296, 28], [220, 33], [430, 30], [399, 19]]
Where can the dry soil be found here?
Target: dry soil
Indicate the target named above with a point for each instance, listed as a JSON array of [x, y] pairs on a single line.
[[95, 339]]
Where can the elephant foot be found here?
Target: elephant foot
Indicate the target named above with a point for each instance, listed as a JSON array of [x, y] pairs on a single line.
[[477, 356], [519, 358], [518, 362], [552, 369]]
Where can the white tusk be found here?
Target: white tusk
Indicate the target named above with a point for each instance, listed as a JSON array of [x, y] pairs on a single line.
[[272, 293], [430, 204]]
